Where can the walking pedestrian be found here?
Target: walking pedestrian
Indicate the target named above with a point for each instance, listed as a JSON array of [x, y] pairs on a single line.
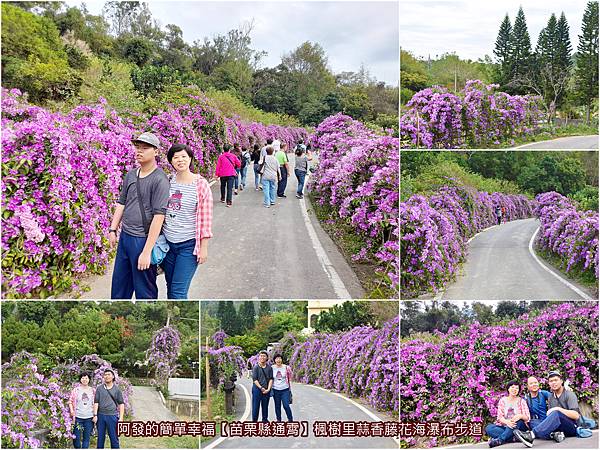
[[256, 160], [226, 171], [238, 153], [245, 159], [145, 190], [262, 382], [284, 169], [109, 409], [188, 222], [81, 405], [270, 175], [282, 387], [498, 214], [301, 169]]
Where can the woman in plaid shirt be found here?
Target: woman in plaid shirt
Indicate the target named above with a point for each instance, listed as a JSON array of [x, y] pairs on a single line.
[[187, 224], [513, 414]]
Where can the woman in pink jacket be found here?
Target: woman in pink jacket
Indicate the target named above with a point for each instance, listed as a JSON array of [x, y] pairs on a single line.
[[81, 406], [227, 163]]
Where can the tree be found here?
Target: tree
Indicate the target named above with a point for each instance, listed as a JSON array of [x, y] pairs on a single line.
[[503, 52], [274, 90], [281, 323], [233, 75], [138, 50], [121, 14], [230, 323], [264, 309], [520, 50], [510, 310], [247, 315], [344, 317], [586, 73], [553, 173], [308, 65]]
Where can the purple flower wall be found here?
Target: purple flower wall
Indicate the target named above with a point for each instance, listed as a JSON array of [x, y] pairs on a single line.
[[357, 175], [570, 234], [434, 232], [460, 375], [477, 117]]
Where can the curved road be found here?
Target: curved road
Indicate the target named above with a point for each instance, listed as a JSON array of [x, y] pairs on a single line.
[[499, 266], [566, 143], [265, 253], [147, 405], [310, 404]]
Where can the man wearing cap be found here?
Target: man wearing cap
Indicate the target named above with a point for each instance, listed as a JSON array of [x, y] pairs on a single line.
[[133, 272], [561, 418]]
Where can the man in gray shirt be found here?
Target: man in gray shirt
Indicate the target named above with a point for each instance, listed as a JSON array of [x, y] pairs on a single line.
[[133, 271], [262, 383], [561, 418], [109, 409]]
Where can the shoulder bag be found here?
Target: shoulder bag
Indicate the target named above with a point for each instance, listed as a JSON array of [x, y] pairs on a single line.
[[161, 247]]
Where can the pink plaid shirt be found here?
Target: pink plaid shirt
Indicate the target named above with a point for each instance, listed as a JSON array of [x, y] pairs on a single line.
[[203, 212], [521, 408]]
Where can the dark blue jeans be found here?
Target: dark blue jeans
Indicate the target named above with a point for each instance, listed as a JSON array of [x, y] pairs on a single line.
[[107, 423], [504, 433], [227, 182], [282, 184], [301, 175], [280, 396], [180, 265], [82, 431], [236, 181], [260, 401], [243, 172], [126, 278], [555, 421]]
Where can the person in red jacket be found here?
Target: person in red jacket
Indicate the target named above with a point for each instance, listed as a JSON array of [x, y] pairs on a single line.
[[227, 163]]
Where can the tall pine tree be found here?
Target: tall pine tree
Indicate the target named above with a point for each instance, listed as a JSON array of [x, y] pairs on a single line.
[[520, 52], [502, 52], [564, 49], [587, 58], [265, 309], [247, 315], [230, 323]]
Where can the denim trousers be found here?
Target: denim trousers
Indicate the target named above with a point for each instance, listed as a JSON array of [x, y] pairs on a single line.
[[126, 278], [301, 176], [555, 421], [268, 191], [260, 401], [107, 423], [243, 172], [282, 184], [256, 176], [82, 431], [279, 397], [180, 265], [504, 433], [227, 183]]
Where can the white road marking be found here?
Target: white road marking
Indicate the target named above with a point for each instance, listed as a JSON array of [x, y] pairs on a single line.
[[334, 278], [358, 405], [551, 272], [243, 419]]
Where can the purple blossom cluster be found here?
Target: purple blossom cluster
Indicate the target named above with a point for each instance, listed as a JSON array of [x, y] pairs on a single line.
[[567, 232], [362, 362], [357, 175], [34, 401], [61, 175], [162, 354], [476, 117], [461, 375], [434, 232], [225, 362]]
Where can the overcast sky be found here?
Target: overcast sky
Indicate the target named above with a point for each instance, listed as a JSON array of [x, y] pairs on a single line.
[[470, 27], [350, 32]]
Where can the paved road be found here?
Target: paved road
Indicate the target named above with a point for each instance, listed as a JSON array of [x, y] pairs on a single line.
[[147, 405], [499, 266], [310, 404], [264, 253], [567, 444], [566, 143]]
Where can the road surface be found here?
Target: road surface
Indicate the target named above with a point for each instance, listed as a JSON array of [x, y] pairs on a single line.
[[566, 143], [310, 404], [148, 406], [568, 444], [264, 253], [499, 266]]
